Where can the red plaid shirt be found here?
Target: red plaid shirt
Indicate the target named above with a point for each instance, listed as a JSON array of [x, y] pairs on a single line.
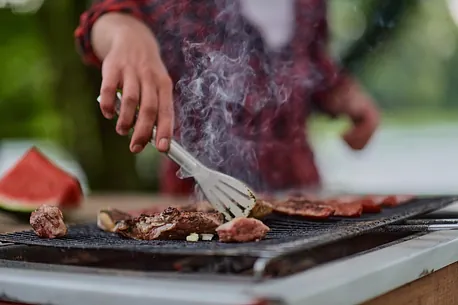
[[276, 133]]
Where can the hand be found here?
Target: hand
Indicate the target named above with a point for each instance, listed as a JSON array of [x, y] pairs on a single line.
[[365, 118], [351, 100], [132, 62]]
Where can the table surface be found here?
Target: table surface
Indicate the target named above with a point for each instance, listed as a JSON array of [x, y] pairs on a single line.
[[437, 288]]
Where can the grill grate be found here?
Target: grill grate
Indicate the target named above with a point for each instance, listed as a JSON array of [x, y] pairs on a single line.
[[287, 234]]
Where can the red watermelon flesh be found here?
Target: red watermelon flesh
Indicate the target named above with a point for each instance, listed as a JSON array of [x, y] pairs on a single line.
[[35, 181]]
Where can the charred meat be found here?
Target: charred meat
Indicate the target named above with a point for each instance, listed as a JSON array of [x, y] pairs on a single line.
[[242, 230], [107, 218], [170, 224], [48, 222], [261, 209]]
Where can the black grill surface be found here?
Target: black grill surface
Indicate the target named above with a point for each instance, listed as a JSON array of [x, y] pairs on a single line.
[[288, 234]]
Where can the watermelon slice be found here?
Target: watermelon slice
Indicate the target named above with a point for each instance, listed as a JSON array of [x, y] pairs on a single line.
[[35, 181]]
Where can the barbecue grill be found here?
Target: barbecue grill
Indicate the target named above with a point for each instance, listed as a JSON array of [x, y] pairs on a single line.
[[337, 261]]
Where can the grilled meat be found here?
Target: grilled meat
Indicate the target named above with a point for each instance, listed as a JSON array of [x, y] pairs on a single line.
[[261, 209], [370, 205], [395, 200], [170, 224], [306, 209], [48, 222], [350, 209], [156, 209], [107, 218], [242, 230]]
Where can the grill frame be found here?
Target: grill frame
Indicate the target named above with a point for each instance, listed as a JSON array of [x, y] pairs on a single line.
[[288, 235]]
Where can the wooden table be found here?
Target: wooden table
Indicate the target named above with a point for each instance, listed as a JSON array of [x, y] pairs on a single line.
[[437, 288]]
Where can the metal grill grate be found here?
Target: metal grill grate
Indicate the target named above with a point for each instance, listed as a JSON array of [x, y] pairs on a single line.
[[288, 234]]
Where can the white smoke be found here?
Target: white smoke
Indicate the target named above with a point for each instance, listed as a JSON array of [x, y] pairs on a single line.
[[214, 94]]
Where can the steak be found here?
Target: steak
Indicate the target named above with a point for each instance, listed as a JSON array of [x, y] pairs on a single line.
[[171, 224], [350, 209], [306, 209], [395, 200], [242, 229], [370, 205], [261, 209], [48, 222]]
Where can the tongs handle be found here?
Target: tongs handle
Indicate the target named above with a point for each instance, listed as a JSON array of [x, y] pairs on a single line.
[[176, 153]]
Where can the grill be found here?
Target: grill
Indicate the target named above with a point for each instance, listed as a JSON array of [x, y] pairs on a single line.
[[287, 235], [300, 262]]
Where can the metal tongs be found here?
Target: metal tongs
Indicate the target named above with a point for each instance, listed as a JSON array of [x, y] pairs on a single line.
[[226, 194]]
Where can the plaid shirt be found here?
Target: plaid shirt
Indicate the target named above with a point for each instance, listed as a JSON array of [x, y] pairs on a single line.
[[283, 157]]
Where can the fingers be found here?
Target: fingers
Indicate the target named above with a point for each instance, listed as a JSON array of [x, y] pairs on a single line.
[[363, 129], [146, 89], [146, 116], [111, 79], [165, 115], [356, 138], [129, 103]]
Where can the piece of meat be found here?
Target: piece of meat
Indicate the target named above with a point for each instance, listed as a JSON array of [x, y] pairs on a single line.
[[107, 218], [261, 209], [377, 199], [242, 229], [170, 224], [305, 209], [48, 222], [369, 205], [395, 200], [158, 208], [349, 209]]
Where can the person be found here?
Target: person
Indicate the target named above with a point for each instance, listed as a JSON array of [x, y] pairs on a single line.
[[147, 47]]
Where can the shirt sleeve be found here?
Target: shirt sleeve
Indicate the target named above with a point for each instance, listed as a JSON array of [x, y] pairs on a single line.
[[332, 76], [135, 8]]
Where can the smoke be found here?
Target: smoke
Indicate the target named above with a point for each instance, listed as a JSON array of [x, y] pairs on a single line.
[[219, 91]]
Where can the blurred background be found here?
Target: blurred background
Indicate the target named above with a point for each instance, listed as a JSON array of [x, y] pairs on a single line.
[[404, 52]]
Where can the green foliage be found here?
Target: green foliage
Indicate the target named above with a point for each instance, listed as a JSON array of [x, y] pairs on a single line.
[[25, 80], [414, 70]]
